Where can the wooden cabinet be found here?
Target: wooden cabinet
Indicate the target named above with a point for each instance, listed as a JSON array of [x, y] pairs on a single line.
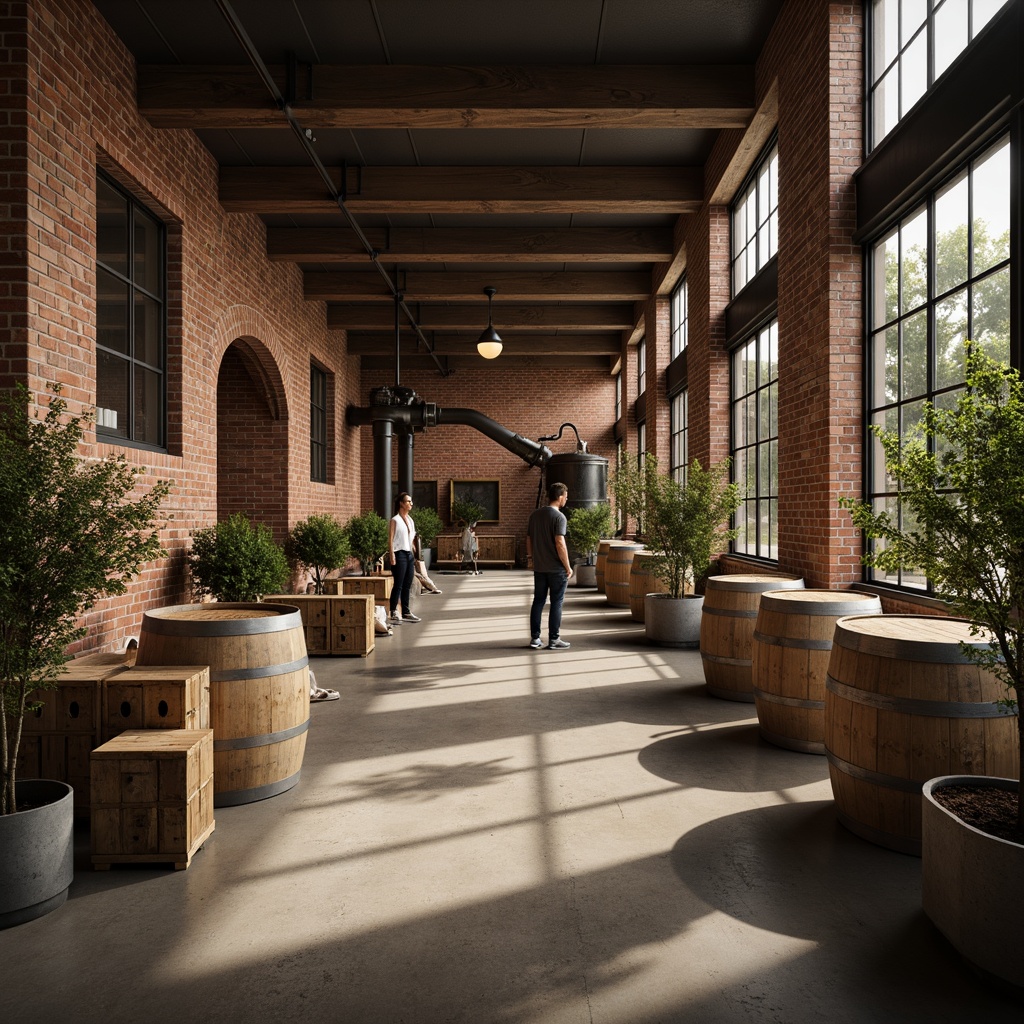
[[495, 549]]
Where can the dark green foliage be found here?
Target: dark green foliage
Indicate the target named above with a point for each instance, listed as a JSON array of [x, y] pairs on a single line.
[[961, 488], [321, 544], [68, 536], [237, 561], [368, 538], [466, 511], [428, 525], [585, 527]]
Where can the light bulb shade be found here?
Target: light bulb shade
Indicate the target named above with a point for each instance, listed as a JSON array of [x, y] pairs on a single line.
[[489, 344]]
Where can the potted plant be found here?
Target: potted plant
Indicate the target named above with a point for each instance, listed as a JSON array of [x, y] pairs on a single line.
[[585, 527], [685, 525], [69, 536], [961, 487], [368, 539], [236, 560], [466, 511], [428, 526], [320, 544]]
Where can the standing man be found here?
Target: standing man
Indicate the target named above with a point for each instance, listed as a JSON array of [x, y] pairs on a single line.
[[548, 556]]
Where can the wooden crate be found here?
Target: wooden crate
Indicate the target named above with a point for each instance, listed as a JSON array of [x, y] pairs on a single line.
[[377, 586], [352, 629], [58, 738], [156, 697], [315, 620], [152, 797]]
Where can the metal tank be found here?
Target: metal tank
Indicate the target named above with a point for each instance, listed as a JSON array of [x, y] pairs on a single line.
[[584, 474]]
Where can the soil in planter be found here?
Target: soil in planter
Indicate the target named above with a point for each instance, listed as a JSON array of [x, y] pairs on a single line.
[[993, 811]]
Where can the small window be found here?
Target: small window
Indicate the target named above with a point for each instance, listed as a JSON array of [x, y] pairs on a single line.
[[679, 319], [131, 319], [317, 424], [641, 367], [618, 397], [755, 220], [678, 428]]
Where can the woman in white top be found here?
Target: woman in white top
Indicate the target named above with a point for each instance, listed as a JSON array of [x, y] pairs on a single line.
[[401, 538]]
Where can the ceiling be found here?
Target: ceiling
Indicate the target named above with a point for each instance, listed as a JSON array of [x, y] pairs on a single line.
[[550, 149]]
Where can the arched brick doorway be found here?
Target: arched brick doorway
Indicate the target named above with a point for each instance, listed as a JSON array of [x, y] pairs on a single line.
[[252, 437]]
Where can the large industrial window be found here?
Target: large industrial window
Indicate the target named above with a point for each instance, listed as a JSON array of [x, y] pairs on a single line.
[[678, 430], [679, 319], [641, 367], [755, 220], [755, 442], [940, 277], [131, 311], [912, 42], [317, 424]]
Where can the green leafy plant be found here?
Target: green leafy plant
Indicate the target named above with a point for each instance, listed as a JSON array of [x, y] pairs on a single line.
[[687, 522], [68, 536], [586, 527], [428, 525], [961, 490], [368, 538], [466, 511], [236, 560], [321, 544], [628, 484]]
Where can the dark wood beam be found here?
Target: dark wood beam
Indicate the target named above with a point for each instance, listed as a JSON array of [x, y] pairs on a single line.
[[472, 245], [381, 190], [535, 317], [362, 344], [428, 96], [530, 286], [475, 362]]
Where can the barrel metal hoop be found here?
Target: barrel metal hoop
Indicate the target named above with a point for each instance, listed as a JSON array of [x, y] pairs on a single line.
[[911, 706], [228, 675], [737, 614], [231, 797], [905, 648], [878, 778], [798, 642], [789, 702], [719, 660], [263, 740]]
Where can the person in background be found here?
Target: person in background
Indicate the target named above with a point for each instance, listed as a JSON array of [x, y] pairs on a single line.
[[548, 556], [419, 569], [470, 548], [401, 538]]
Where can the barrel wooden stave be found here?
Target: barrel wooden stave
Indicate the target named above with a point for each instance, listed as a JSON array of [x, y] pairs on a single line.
[[727, 630], [792, 643], [902, 710], [618, 564], [602, 560], [643, 582], [259, 688]]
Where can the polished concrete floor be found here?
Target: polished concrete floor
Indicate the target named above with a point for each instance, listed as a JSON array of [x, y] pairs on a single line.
[[493, 835]]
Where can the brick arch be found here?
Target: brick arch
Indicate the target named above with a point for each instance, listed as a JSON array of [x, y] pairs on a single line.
[[252, 427]]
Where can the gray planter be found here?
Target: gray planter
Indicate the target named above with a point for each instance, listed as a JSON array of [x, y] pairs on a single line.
[[673, 621], [36, 852], [428, 556], [585, 575], [969, 883]]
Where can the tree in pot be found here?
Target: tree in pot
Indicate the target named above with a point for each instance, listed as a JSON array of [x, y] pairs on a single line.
[[685, 525], [585, 527], [69, 536], [466, 511], [236, 560], [961, 525], [321, 545], [428, 526], [368, 539]]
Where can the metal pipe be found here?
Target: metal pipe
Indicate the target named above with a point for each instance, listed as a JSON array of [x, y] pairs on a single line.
[[382, 432], [405, 452]]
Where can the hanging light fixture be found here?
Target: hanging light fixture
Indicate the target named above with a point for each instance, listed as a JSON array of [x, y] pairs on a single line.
[[489, 343]]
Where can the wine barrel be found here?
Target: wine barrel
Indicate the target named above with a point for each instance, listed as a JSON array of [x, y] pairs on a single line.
[[727, 630], [643, 582], [616, 571], [602, 559], [789, 661], [903, 705], [259, 688]]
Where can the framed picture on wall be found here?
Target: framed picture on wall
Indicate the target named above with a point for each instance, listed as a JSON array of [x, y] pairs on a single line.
[[483, 492], [424, 493]]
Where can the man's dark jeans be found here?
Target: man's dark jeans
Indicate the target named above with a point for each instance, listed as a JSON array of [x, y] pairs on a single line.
[[543, 583]]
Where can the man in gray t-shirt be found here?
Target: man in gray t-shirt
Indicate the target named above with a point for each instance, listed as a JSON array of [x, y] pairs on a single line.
[[548, 556]]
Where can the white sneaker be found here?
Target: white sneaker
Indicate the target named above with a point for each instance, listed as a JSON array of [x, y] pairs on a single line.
[[396, 619]]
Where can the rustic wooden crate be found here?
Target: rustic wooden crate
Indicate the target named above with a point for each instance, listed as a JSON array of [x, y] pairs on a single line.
[[352, 629], [315, 620], [152, 797], [156, 697], [377, 586]]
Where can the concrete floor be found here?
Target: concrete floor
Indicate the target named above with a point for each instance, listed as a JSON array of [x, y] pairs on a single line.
[[494, 835]]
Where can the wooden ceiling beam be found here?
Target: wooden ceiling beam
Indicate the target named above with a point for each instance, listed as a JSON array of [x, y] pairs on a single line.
[[453, 286], [472, 245], [446, 96], [505, 362], [385, 190], [535, 317], [607, 345]]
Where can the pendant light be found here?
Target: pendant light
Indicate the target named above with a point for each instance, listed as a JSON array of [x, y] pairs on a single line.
[[489, 342]]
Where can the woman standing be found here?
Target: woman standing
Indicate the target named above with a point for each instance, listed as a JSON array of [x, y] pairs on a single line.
[[401, 535]]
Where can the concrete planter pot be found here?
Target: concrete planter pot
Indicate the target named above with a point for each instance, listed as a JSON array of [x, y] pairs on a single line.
[[36, 852], [673, 621], [585, 575], [968, 884]]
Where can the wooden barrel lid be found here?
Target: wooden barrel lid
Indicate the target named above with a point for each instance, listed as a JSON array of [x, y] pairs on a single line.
[[221, 618], [930, 638], [754, 582], [819, 602]]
